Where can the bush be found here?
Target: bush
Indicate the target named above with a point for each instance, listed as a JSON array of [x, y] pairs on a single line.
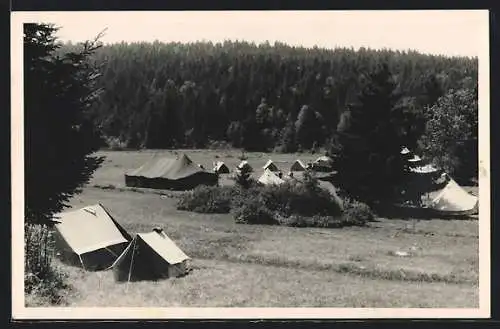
[[44, 283], [208, 199], [248, 208], [305, 199], [356, 212], [296, 204]]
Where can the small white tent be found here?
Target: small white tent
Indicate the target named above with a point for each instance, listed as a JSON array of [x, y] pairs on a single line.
[[453, 199], [426, 169], [221, 168], [244, 164], [298, 166], [270, 165], [270, 178], [324, 160]]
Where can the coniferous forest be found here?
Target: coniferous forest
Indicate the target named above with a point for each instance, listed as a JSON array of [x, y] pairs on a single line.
[[260, 97]]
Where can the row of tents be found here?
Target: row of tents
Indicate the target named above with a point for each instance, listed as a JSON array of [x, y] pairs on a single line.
[[92, 239], [181, 173]]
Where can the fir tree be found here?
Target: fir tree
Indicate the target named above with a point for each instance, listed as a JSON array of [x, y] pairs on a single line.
[[60, 133], [367, 146]]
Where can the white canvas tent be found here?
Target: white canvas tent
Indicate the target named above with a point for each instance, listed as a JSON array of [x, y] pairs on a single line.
[[270, 178], [425, 169], [270, 165], [453, 199], [89, 237], [298, 166], [221, 168], [151, 256], [324, 160], [244, 164]]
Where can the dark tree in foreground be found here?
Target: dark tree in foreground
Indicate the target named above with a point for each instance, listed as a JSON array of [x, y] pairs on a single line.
[[367, 146], [60, 136]]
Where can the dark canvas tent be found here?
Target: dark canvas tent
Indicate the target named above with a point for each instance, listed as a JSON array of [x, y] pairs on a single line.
[[151, 256], [89, 237], [323, 164], [174, 174]]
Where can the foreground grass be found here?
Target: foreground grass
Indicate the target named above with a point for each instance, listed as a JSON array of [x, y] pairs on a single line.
[[223, 284], [257, 265]]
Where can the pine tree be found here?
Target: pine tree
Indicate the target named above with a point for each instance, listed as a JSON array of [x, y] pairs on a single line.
[[367, 145], [243, 177], [288, 137]]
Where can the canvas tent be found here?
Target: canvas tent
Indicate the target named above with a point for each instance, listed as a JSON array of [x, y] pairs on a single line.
[[221, 168], [270, 178], [89, 237], [324, 160], [415, 159], [244, 164], [453, 199], [151, 256], [270, 165], [322, 164], [174, 174], [298, 166]]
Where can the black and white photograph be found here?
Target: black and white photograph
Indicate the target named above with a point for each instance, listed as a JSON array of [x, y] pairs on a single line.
[[242, 164]]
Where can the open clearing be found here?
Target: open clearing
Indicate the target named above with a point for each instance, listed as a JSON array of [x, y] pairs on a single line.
[[255, 265]]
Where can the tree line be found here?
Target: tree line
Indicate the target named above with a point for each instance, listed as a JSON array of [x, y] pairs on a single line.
[[259, 97]]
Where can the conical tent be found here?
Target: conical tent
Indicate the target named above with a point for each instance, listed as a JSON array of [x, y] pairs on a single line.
[[176, 174], [221, 168], [89, 237], [453, 199], [270, 165], [270, 178], [298, 166], [151, 256]]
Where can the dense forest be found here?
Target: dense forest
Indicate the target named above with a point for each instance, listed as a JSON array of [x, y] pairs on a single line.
[[259, 97]]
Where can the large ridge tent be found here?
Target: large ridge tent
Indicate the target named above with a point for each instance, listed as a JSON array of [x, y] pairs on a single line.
[[270, 178], [174, 174], [453, 199], [151, 256], [270, 165], [89, 237]]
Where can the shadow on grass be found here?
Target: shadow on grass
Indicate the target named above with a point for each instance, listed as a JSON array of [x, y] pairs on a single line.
[[357, 270], [411, 213]]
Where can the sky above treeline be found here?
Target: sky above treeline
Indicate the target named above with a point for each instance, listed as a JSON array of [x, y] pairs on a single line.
[[447, 32]]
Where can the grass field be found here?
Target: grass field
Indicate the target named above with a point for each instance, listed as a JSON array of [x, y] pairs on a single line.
[[253, 265]]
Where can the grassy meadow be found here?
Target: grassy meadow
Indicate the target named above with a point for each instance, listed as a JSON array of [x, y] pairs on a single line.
[[237, 265]]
